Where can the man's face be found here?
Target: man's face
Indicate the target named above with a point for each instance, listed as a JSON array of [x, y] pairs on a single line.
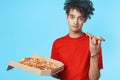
[[75, 20]]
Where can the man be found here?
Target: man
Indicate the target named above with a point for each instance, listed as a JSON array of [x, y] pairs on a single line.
[[80, 53]]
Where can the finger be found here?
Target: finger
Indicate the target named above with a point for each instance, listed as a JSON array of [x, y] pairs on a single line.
[[94, 40], [99, 42], [90, 40]]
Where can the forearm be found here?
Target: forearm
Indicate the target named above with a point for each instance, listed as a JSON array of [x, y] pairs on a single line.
[[94, 72]]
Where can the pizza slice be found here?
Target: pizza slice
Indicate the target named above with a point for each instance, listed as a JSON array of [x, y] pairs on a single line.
[[38, 63]]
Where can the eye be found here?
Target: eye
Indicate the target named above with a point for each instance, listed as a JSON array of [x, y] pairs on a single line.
[[81, 18], [72, 16]]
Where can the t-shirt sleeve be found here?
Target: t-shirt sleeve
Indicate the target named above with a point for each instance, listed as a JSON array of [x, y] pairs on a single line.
[[54, 54], [100, 60]]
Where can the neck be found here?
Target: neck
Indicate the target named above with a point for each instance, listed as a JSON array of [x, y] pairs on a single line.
[[75, 35]]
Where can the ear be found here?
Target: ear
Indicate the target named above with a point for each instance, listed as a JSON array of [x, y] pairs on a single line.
[[66, 16]]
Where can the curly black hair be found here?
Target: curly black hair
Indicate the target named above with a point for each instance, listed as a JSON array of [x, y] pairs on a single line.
[[84, 6]]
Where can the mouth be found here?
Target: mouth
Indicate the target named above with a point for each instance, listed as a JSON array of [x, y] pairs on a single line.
[[75, 26]]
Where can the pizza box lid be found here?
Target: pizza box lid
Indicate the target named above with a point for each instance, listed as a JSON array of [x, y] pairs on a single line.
[[60, 66]]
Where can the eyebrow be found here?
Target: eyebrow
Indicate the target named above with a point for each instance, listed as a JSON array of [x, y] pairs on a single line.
[[71, 15], [74, 15]]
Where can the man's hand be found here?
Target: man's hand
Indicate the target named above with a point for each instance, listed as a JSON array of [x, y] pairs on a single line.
[[95, 45]]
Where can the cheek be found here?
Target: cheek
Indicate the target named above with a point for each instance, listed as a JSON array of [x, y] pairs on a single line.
[[81, 23], [70, 22]]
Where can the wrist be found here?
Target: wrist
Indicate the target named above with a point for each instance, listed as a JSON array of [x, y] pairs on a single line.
[[94, 55]]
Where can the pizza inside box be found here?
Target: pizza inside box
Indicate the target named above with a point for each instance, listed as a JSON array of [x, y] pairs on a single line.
[[38, 65]]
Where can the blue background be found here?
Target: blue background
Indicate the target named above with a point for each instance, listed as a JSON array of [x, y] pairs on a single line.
[[31, 26]]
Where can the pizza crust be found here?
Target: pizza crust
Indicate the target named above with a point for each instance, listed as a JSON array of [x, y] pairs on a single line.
[[98, 37]]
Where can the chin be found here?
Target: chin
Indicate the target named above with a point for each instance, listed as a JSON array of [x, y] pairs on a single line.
[[75, 31]]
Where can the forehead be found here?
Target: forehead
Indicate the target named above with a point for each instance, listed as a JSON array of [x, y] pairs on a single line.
[[75, 12]]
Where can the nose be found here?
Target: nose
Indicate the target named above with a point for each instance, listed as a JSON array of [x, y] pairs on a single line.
[[76, 22]]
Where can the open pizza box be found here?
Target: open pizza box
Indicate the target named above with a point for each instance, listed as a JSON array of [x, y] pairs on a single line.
[[60, 66]]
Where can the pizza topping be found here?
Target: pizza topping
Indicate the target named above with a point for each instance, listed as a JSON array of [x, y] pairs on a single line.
[[38, 63]]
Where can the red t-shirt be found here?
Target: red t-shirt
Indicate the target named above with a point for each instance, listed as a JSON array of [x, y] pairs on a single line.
[[75, 54]]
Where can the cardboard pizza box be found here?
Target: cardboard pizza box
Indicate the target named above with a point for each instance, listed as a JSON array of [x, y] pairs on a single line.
[[60, 66]]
